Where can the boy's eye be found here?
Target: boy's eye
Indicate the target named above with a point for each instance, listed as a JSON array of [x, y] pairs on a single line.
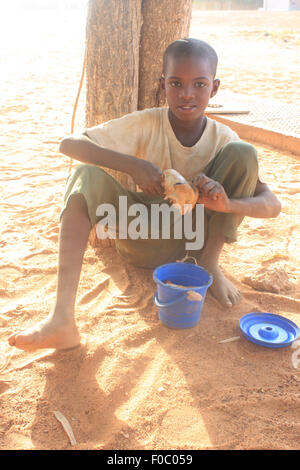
[[175, 83]]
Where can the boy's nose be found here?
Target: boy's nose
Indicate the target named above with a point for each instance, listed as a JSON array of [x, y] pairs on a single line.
[[186, 91]]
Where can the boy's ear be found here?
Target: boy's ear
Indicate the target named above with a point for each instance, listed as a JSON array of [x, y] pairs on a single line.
[[162, 84], [216, 85]]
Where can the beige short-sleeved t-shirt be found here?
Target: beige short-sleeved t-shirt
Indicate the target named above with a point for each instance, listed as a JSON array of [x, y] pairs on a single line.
[[148, 135]]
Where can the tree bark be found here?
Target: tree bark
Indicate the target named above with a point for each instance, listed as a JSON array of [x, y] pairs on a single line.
[[112, 63], [164, 21], [112, 35]]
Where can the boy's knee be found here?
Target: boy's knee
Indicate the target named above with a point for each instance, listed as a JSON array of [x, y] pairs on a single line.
[[87, 171], [84, 168], [242, 154]]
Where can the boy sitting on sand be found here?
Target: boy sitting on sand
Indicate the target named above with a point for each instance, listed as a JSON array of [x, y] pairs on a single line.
[[143, 144]]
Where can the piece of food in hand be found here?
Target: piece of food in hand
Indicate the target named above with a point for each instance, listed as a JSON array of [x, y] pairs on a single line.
[[179, 191]]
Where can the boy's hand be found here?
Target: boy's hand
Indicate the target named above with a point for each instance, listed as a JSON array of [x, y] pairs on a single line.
[[211, 194], [148, 177]]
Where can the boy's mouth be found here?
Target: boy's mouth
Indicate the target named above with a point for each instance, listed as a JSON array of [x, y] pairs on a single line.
[[187, 107]]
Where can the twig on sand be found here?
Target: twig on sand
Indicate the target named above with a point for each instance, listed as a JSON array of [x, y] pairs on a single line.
[[66, 425], [228, 340], [5, 360], [33, 359]]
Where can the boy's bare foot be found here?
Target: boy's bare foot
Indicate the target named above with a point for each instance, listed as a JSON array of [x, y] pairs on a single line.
[[55, 331], [221, 289]]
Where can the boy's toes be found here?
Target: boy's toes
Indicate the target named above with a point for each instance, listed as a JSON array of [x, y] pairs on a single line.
[[223, 297], [227, 302], [235, 297], [225, 292], [20, 341]]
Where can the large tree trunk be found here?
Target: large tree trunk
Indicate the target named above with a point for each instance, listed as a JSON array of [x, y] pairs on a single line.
[[125, 44], [112, 63]]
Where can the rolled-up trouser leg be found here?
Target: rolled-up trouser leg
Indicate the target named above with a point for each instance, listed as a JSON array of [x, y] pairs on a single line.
[[98, 188], [236, 168]]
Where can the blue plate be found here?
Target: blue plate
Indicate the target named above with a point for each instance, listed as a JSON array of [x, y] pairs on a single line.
[[268, 329]]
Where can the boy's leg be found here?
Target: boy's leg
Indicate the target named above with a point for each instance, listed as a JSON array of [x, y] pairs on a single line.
[[222, 289], [87, 187], [58, 330], [236, 168]]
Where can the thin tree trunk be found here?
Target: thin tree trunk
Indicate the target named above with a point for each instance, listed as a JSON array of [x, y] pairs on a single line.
[[164, 21]]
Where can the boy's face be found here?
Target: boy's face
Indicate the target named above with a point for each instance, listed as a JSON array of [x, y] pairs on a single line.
[[189, 84]]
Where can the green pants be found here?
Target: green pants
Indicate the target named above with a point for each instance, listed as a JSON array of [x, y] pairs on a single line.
[[235, 167]]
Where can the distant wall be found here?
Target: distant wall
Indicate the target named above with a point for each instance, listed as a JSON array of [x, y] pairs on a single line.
[[281, 4], [276, 4], [294, 5], [228, 4]]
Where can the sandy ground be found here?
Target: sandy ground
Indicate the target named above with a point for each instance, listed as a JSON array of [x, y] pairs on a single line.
[[134, 383]]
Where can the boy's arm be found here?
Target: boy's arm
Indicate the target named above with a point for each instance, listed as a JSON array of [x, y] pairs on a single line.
[[263, 204], [146, 175], [83, 149]]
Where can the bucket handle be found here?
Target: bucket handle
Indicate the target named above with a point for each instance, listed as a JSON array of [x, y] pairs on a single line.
[[171, 302], [187, 256], [167, 304]]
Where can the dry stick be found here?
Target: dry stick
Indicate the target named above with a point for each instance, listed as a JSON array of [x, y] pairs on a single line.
[[3, 362], [228, 340], [33, 359], [66, 425], [77, 99]]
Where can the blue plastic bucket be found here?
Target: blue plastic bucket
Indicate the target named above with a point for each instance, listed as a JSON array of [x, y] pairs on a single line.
[[175, 308]]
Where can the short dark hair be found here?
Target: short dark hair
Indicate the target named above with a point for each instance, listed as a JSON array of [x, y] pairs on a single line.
[[191, 47]]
